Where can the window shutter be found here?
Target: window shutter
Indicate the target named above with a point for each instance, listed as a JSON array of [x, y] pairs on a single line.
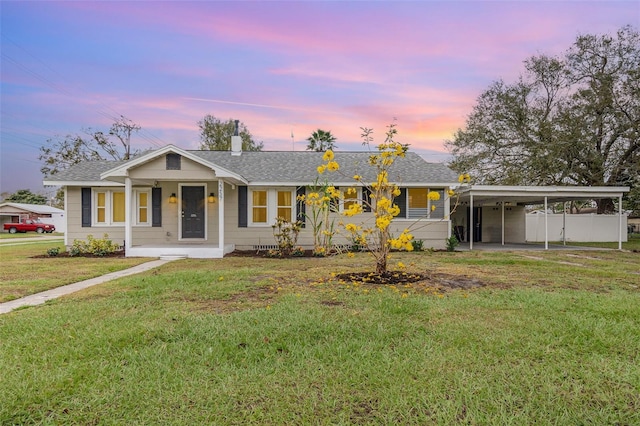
[[401, 201], [156, 207], [301, 207], [243, 206], [366, 199], [85, 200]]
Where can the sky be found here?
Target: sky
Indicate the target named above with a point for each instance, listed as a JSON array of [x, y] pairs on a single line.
[[284, 69]]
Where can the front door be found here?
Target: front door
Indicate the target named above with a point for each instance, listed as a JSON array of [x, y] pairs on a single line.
[[193, 212]]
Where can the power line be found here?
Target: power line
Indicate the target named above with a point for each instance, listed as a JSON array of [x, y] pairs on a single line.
[[108, 111]]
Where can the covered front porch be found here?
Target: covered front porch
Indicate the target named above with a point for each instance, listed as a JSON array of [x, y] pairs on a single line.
[[174, 205]]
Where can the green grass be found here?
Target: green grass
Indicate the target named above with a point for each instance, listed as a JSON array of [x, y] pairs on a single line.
[[552, 338], [20, 235], [632, 243], [21, 274]]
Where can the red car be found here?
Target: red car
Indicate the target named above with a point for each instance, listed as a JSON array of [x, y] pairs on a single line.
[[29, 225]]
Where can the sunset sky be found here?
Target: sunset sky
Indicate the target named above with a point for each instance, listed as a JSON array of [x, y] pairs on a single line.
[[279, 67]]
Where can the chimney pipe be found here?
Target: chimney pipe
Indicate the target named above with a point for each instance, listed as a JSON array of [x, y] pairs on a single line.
[[236, 141]]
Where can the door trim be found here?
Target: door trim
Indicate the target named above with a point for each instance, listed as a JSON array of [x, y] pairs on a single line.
[[206, 211]]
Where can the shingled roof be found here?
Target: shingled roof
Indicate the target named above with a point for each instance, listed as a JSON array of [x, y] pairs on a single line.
[[289, 167]]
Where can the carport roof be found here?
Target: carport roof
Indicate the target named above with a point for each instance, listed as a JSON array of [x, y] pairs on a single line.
[[526, 195]]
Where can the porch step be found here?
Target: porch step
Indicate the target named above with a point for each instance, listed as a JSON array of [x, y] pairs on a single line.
[[173, 256]]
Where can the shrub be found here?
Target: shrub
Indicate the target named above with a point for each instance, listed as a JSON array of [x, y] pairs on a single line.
[[452, 243], [418, 245], [286, 235], [95, 246], [53, 251]]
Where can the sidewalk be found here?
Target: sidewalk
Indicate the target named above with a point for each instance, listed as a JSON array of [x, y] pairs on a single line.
[[40, 298]]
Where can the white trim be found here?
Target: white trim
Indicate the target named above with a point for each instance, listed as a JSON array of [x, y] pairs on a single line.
[[84, 183], [127, 214], [122, 170]]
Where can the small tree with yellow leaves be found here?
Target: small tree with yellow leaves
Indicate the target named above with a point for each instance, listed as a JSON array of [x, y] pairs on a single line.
[[319, 203], [377, 237]]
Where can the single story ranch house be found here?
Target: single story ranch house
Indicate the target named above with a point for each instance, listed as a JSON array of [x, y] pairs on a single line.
[[205, 204]]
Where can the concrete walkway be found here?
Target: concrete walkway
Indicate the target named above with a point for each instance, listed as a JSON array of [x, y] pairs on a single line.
[[40, 298]]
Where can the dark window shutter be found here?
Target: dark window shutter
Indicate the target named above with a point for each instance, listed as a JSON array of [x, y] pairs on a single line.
[[366, 199], [156, 207], [301, 207], [401, 201], [243, 206], [85, 200]]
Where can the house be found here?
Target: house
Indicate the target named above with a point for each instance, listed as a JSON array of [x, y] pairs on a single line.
[[205, 204], [14, 212]]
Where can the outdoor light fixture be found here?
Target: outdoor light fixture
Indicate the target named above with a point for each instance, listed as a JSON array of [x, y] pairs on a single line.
[[211, 198], [172, 198]]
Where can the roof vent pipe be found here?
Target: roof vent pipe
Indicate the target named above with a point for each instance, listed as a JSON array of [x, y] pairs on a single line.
[[236, 141]]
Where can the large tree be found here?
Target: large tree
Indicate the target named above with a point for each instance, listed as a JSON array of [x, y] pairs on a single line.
[[215, 135], [60, 153], [321, 141], [573, 119], [27, 197]]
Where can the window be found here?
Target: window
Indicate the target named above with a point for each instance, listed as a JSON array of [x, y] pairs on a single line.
[[350, 196], [109, 207], [418, 203], [420, 206], [117, 207], [143, 202], [173, 161], [259, 207], [101, 207], [284, 205], [267, 204]]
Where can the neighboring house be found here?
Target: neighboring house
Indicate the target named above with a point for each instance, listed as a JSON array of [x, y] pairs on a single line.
[[14, 212], [207, 203]]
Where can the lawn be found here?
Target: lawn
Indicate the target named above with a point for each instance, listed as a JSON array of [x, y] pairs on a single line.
[[548, 338], [21, 274]]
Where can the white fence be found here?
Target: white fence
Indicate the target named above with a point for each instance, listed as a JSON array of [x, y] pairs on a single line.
[[578, 227]]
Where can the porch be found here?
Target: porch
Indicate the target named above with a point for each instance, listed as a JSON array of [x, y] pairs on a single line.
[[194, 250]]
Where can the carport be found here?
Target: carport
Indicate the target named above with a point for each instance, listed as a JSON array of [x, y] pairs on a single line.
[[501, 196]]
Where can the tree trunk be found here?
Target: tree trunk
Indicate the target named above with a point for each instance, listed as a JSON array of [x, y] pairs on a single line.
[[605, 206]]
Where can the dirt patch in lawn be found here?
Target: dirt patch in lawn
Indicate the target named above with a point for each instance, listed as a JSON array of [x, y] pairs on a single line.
[[437, 280]]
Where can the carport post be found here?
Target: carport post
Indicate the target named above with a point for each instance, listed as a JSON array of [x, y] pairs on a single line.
[[472, 225], [546, 222], [620, 222], [502, 222]]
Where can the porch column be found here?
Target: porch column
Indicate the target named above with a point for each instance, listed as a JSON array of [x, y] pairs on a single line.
[[127, 213], [546, 223], [447, 208], [472, 226], [221, 215], [620, 222]]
